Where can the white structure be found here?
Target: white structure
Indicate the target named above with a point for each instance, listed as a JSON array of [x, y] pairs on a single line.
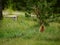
[[14, 17]]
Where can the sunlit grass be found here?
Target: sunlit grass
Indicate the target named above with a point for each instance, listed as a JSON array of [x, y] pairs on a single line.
[[25, 31], [19, 41]]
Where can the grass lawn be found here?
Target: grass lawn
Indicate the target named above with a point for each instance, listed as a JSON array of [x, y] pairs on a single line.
[[19, 41], [25, 31]]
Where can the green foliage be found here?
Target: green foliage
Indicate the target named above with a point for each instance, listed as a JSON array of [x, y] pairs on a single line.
[[27, 15], [43, 9], [29, 4]]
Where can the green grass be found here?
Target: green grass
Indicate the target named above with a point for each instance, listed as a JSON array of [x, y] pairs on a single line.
[[25, 31], [19, 41]]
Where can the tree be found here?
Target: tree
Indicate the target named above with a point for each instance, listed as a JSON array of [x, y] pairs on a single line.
[[1, 10], [43, 10]]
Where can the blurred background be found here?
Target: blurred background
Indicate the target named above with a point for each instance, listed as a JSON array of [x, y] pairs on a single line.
[[29, 22]]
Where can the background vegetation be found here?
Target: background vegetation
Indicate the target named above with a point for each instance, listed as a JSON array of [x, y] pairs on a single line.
[[25, 30]]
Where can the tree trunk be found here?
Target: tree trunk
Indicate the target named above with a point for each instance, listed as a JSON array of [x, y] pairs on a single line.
[[1, 15], [1, 10]]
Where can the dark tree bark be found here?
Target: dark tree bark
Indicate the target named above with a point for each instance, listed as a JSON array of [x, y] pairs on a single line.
[[1, 10]]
